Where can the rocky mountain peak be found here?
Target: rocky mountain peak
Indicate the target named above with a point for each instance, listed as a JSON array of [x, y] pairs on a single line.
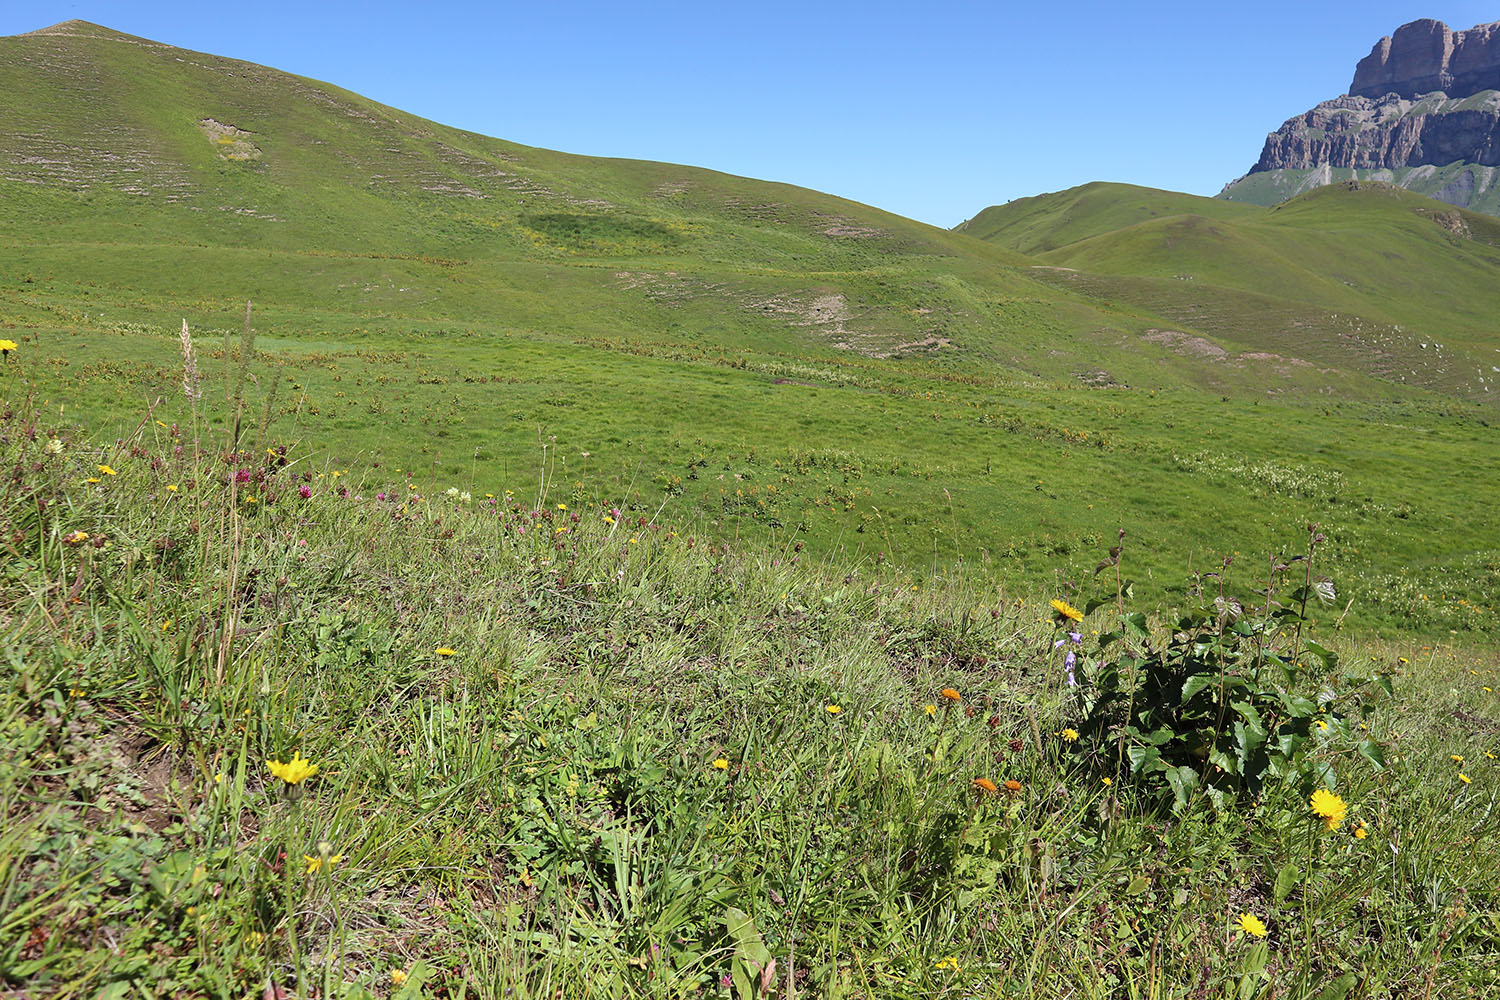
[[1425, 56]]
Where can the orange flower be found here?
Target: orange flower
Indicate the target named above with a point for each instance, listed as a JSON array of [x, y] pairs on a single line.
[[951, 694], [1012, 786], [985, 785]]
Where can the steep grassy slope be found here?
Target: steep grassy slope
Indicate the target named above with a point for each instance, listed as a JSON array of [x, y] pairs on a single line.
[[758, 359]]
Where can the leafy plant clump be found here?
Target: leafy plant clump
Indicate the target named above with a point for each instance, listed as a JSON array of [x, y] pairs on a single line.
[[1237, 696]]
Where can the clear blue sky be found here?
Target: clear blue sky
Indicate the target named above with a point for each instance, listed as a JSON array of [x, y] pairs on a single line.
[[931, 109]]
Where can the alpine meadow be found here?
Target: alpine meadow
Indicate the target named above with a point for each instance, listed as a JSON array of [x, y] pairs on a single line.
[[441, 567]]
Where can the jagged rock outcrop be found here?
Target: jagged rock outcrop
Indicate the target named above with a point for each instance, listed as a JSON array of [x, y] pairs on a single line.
[[1427, 55], [1423, 112], [1388, 132]]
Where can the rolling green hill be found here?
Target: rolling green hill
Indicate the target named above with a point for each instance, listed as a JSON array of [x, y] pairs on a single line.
[[761, 360], [1358, 276], [1048, 221]]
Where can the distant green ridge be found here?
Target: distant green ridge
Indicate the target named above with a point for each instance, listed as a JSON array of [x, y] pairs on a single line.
[[1357, 275], [1471, 185], [1048, 221]]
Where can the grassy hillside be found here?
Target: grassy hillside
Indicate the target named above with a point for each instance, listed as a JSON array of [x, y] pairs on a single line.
[[1361, 277], [560, 750], [762, 361], [1048, 221], [1469, 184]]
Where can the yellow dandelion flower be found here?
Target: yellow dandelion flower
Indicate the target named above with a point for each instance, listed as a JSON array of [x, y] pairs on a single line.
[[1322, 726], [950, 963], [171, 487], [1329, 806], [721, 764], [294, 771], [315, 865], [106, 470], [1455, 758], [1107, 782], [562, 506], [1360, 833], [92, 480], [398, 977], [1465, 778], [1071, 735], [833, 709], [1252, 925], [6, 346], [75, 537], [445, 651], [1066, 610], [930, 709]]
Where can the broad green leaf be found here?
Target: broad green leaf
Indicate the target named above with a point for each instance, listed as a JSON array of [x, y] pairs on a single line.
[[1143, 760], [1196, 683], [1327, 657], [1373, 753], [1339, 988], [1286, 881], [1183, 780]]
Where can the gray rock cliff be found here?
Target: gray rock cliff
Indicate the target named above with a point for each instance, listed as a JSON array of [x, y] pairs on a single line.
[[1388, 132], [1427, 55]]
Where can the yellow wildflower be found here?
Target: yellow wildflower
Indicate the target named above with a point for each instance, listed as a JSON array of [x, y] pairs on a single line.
[[398, 977], [930, 709], [1455, 758], [1329, 806], [1360, 833], [75, 538], [1465, 778], [1322, 726], [1107, 781], [294, 771], [108, 471], [445, 651], [1252, 925], [950, 963], [6, 346], [1066, 610], [721, 764], [833, 709], [1071, 735], [986, 785], [171, 487], [315, 865]]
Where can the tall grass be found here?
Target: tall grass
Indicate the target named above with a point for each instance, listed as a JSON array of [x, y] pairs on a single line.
[[565, 751]]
